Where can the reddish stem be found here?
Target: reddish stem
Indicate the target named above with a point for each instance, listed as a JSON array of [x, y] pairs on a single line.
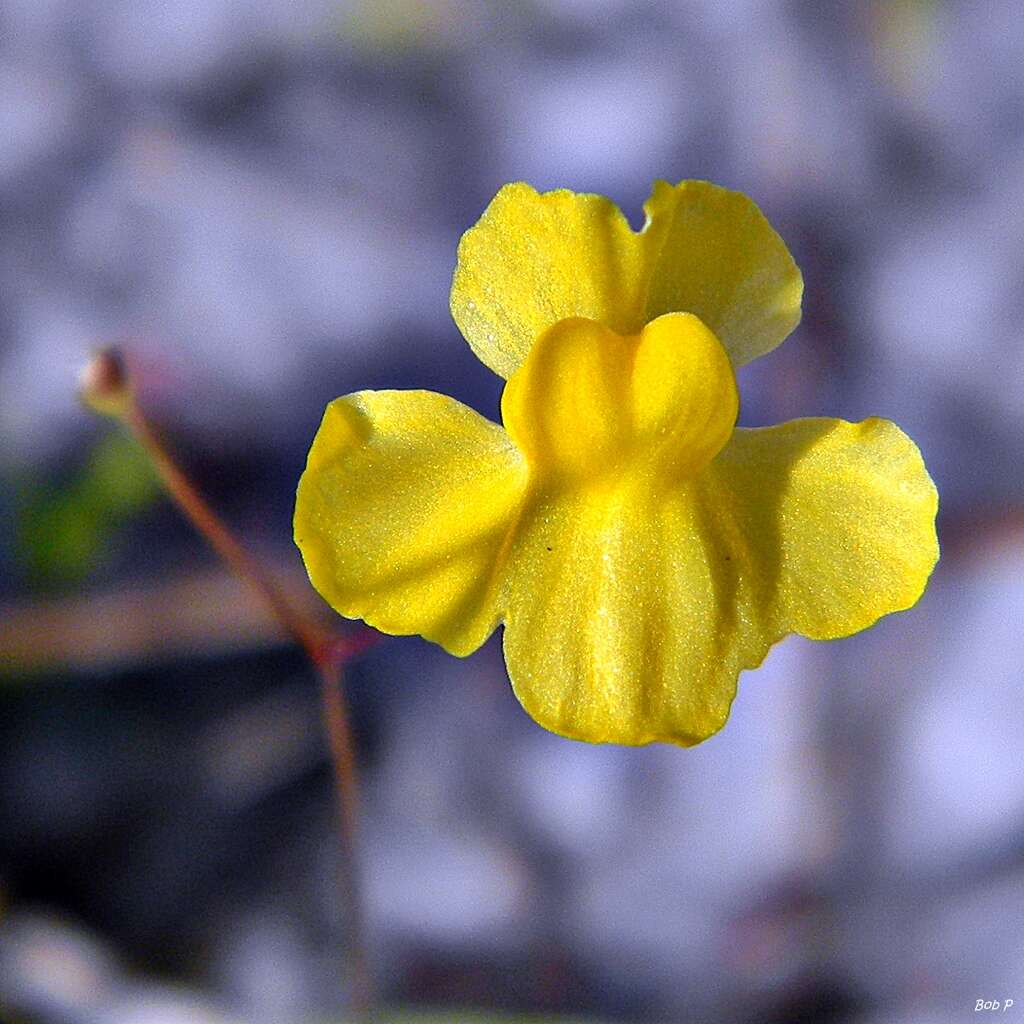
[[327, 652]]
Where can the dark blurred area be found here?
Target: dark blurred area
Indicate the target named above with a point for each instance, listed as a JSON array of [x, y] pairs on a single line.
[[262, 203]]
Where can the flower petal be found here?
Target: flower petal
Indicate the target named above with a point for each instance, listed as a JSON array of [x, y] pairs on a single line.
[[403, 512], [618, 629], [536, 258], [710, 251], [835, 519], [631, 611]]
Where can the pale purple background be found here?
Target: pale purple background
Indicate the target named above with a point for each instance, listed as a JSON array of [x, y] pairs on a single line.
[[267, 198]]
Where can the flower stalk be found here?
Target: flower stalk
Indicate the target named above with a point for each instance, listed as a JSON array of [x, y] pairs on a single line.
[[106, 388]]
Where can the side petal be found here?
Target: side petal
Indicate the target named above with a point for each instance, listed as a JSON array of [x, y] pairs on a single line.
[[403, 512], [620, 627], [710, 251], [835, 520], [536, 258]]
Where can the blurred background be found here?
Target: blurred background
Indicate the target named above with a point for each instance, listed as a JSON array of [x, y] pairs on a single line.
[[262, 202]]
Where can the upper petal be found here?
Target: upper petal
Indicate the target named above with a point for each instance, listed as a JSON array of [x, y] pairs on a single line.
[[711, 251], [536, 258], [403, 513]]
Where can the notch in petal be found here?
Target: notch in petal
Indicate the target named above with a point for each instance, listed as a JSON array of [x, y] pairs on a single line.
[[588, 403], [534, 259]]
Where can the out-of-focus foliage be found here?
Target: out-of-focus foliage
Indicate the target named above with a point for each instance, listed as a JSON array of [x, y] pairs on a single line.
[[66, 529]]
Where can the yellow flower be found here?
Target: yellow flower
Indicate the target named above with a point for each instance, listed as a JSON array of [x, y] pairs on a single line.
[[638, 547]]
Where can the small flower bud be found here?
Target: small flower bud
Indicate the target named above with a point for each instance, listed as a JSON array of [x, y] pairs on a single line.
[[103, 384]]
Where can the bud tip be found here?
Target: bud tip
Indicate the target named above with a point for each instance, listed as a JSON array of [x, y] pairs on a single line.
[[103, 383]]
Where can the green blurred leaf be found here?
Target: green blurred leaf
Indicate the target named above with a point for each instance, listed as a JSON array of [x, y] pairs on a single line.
[[65, 531], [118, 476]]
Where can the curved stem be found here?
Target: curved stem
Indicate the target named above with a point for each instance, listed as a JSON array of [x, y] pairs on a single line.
[[327, 653], [309, 636]]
